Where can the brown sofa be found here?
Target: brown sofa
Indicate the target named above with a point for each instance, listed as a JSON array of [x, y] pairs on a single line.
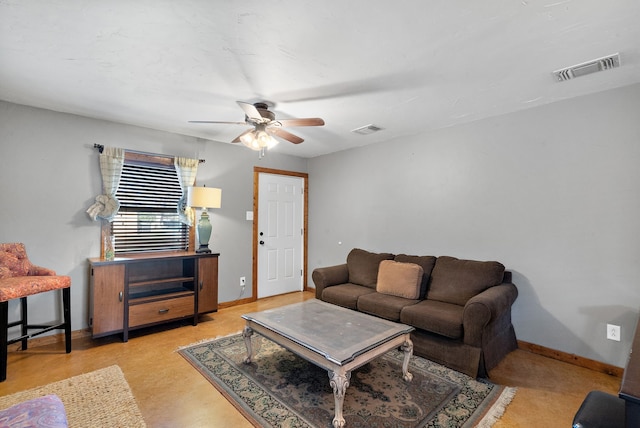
[[461, 309]]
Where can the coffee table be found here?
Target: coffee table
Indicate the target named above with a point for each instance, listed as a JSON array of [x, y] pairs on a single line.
[[334, 338]]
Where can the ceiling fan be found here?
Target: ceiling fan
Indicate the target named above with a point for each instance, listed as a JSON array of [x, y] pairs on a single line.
[[265, 126]]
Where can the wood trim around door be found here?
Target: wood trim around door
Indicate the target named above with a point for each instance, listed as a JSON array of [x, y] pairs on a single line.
[[305, 219]]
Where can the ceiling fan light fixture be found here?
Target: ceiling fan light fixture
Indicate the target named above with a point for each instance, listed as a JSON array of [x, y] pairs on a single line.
[[265, 126], [265, 140], [258, 140], [250, 141]]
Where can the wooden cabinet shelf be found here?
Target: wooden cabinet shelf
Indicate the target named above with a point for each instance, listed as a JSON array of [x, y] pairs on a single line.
[[137, 298], [141, 290], [161, 281]]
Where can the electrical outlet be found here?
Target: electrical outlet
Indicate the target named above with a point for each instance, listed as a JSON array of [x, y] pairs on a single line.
[[613, 332], [243, 281]]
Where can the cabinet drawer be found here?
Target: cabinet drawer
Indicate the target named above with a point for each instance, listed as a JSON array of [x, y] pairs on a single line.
[[162, 310]]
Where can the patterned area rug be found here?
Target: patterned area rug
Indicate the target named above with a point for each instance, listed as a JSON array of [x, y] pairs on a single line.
[[280, 389]]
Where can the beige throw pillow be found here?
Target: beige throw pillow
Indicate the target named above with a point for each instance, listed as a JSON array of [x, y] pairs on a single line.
[[399, 279]]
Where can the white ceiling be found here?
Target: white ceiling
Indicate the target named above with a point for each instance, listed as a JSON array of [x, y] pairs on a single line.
[[406, 66]]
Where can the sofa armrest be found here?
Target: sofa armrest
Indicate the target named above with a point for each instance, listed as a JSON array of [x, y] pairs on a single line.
[[40, 271], [485, 308], [327, 276]]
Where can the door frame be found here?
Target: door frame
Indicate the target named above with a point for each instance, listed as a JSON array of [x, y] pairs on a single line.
[[305, 219]]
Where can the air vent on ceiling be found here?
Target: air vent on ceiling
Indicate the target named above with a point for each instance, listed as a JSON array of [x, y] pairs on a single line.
[[367, 129], [600, 64]]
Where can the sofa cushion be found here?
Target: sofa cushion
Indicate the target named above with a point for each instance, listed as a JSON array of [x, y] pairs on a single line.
[[456, 281], [345, 295], [434, 316], [399, 279], [383, 305], [363, 266], [426, 262]]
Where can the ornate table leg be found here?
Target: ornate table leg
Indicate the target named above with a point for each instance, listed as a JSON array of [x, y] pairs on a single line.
[[407, 347], [339, 382], [247, 333]]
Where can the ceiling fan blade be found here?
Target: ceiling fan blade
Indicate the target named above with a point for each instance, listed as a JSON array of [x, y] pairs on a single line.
[[250, 110], [310, 121], [215, 121], [285, 135], [237, 139]]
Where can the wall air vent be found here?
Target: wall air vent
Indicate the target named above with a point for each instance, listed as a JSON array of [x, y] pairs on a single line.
[[367, 129], [600, 64]]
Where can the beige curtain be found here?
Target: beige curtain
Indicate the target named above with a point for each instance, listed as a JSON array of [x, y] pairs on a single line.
[[106, 205], [186, 169]]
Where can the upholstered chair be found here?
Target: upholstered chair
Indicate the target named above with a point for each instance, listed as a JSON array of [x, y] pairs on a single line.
[[19, 278]]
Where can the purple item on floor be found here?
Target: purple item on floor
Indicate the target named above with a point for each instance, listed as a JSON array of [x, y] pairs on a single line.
[[41, 412]]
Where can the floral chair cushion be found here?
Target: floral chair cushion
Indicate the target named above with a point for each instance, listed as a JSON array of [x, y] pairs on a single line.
[[14, 262], [11, 265], [20, 278]]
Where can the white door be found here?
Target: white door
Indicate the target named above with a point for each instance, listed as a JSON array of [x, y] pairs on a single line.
[[280, 234]]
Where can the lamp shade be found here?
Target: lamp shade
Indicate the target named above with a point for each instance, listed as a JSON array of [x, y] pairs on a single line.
[[204, 197]]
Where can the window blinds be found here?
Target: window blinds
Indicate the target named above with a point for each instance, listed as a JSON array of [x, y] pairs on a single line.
[[148, 219]]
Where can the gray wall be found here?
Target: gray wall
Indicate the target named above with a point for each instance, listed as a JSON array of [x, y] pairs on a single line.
[[49, 176], [552, 192]]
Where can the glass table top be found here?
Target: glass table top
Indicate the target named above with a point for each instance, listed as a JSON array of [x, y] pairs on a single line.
[[337, 333]]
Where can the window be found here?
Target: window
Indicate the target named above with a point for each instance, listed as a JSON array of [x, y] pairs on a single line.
[[149, 192]]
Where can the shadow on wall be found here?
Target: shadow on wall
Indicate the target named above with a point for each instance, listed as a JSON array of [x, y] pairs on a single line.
[[534, 324], [587, 336], [597, 318], [614, 314], [82, 219]]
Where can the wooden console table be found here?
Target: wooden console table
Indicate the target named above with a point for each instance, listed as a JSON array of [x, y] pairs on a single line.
[[141, 290]]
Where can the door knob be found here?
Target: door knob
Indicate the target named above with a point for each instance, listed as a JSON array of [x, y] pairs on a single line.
[[261, 242]]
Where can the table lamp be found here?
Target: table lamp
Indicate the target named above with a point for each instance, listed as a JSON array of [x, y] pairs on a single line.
[[204, 197]]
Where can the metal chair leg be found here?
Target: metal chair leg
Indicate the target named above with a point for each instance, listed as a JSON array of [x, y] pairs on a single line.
[[4, 334], [66, 303], [24, 322]]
